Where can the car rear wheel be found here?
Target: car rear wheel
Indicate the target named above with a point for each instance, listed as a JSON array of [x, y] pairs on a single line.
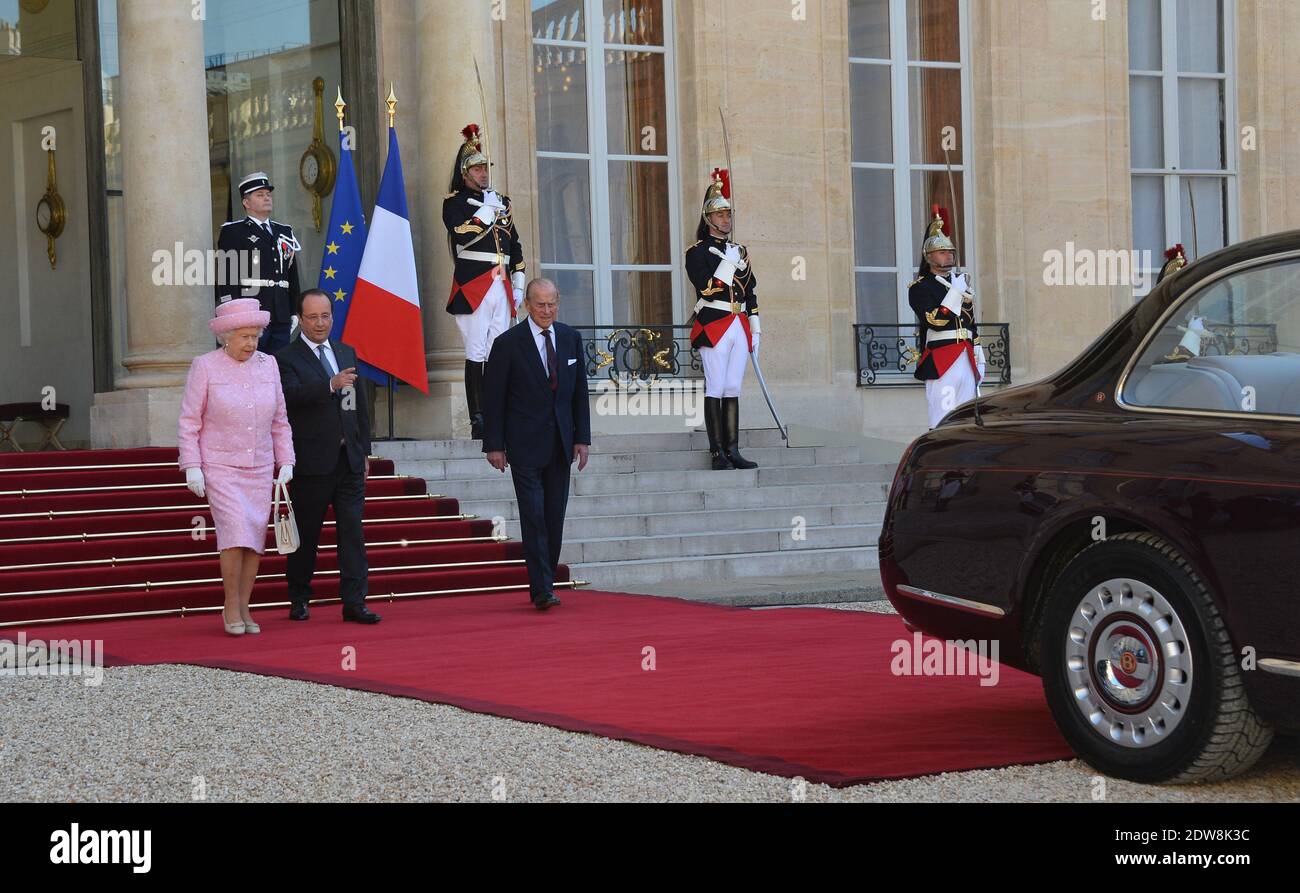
[[1138, 668]]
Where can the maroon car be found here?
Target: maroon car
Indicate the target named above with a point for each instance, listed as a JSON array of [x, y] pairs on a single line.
[[1129, 528]]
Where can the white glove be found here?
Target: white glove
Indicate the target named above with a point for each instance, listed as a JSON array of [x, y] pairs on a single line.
[[194, 480], [517, 283], [491, 198], [754, 336], [286, 474], [519, 298], [979, 361], [733, 255], [959, 283]]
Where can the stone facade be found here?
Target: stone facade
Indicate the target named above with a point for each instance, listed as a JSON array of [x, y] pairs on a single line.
[[1049, 111]]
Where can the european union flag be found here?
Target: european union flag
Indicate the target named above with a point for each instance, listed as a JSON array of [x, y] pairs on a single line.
[[345, 244]]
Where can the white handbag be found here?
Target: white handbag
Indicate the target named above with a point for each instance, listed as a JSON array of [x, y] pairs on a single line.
[[286, 526]]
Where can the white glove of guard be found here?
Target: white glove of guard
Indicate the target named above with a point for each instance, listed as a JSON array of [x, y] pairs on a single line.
[[194, 480], [733, 256], [286, 474], [519, 298], [754, 337], [725, 272], [979, 361]]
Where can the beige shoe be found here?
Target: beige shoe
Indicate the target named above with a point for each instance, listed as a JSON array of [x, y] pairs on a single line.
[[251, 627], [235, 629]]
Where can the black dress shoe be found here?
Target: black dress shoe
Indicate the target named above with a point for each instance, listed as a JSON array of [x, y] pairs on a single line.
[[299, 612], [546, 603], [360, 615]]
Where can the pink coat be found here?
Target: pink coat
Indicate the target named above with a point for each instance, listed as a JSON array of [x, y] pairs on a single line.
[[233, 413]]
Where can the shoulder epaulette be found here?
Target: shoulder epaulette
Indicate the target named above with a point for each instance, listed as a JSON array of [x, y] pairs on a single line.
[[914, 281], [231, 223], [451, 194]]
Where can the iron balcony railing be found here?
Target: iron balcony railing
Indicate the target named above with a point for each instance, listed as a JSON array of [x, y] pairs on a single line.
[[640, 353], [887, 353]]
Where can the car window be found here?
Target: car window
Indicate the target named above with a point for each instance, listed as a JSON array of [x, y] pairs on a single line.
[[1233, 347]]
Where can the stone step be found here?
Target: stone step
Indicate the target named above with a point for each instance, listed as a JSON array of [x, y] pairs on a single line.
[[629, 494], [789, 500], [476, 468], [755, 542], [669, 523], [613, 574], [412, 450]]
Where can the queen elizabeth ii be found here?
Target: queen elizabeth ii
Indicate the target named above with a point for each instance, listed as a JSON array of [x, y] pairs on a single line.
[[233, 431]]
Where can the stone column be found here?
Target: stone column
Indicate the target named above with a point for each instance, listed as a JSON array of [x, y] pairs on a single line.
[[452, 34], [168, 200]]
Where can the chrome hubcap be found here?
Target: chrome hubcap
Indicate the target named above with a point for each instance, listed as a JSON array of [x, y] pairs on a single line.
[[1128, 663]]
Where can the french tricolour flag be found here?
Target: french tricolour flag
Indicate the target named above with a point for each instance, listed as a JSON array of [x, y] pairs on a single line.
[[384, 323]]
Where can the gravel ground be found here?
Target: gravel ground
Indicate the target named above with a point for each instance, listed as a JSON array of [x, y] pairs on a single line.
[[173, 733]]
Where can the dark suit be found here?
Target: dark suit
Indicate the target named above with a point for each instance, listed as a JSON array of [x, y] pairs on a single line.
[[271, 269], [331, 439], [537, 428]]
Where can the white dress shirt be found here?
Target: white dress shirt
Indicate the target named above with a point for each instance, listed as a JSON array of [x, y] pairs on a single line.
[[330, 359], [539, 341]]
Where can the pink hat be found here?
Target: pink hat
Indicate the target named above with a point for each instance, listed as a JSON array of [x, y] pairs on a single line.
[[238, 314]]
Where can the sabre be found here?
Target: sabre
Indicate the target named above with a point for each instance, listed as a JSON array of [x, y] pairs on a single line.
[[726, 145], [767, 395], [753, 354], [482, 104]]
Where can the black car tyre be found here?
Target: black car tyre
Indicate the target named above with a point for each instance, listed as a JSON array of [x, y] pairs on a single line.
[[1138, 668]]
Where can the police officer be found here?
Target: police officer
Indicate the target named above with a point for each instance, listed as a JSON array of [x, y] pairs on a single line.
[[267, 250], [487, 284], [726, 326], [951, 361]]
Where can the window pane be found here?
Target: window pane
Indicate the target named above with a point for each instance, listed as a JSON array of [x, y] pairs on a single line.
[[643, 298], [869, 29], [634, 103], [36, 29], [558, 20], [1200, 35], [1209, 195], [869, 96], [1247, 336], [638, 211], [1200, 124], [931, 188], [1146, 130], [934, 99], [261, 102], [1149, 220], [634, 21], [877, 298], [932, 31], [1144, 35], [560, 91], [577, 299], [564, 202], [873, 218]]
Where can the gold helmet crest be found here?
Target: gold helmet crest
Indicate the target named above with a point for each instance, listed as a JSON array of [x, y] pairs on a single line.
[[471, 152], [935, 238]]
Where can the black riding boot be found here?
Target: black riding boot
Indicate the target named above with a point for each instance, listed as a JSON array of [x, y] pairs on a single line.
[[713, 424], [731, 426], [474, 397]]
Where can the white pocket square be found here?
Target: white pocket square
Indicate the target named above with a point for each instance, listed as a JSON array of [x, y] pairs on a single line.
[[571, 362]]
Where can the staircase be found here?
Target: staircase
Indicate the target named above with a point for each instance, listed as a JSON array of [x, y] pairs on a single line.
[[97, 533], [648, 511]]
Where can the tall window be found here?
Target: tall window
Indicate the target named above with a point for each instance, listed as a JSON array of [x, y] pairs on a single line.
[[1181, 108], [907, 89], [606, 162]]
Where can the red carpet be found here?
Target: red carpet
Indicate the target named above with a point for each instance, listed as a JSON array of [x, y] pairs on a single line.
[[793, 692], [95, 533]]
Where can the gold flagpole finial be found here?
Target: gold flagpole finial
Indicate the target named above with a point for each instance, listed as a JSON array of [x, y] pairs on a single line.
[[392, 104], [340, 105]]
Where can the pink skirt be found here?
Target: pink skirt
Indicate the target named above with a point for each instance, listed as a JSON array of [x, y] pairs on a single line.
[[240, 499]]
